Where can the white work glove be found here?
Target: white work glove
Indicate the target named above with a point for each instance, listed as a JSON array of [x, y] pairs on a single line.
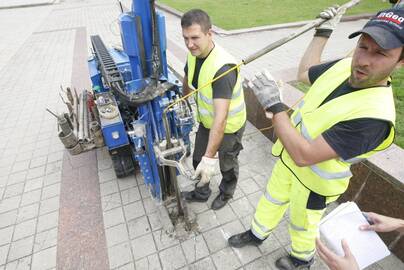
[[333, 16], [205, 170], [267, 92]]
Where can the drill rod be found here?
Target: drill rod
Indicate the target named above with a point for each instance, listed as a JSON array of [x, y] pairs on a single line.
[[294, 35]]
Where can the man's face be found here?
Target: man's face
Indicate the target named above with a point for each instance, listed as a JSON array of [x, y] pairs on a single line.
[[371, 64], [197, 42]]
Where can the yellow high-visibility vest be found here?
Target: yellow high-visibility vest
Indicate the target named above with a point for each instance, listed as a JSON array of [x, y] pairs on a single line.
[[331, 177], [237, 114]]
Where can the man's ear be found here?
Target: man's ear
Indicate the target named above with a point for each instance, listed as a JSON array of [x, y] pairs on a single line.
[[400, 64]]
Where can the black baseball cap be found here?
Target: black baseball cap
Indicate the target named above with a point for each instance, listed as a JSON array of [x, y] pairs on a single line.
[[386, 28]]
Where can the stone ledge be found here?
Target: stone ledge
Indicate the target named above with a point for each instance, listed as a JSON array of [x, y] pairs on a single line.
[[387, 164]]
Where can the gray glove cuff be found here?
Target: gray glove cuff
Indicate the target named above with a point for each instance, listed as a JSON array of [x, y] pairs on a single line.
[[277, 108], [323, 33]]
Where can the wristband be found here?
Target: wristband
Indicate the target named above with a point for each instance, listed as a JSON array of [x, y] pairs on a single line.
[[277, 108], [323, 33]]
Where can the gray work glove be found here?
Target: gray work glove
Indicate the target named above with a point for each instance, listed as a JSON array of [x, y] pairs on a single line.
[[333, 16], [267, 92]]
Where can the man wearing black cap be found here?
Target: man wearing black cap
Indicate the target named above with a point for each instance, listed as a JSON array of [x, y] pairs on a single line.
[[347, 115]]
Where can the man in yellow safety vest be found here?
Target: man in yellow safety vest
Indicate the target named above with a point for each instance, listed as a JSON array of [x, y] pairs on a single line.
[[221, 111], [347, 115]]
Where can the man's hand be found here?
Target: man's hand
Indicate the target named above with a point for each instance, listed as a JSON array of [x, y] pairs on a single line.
[[382, 223], [332, 15], [335, 262], [205, 170], [267, 92]]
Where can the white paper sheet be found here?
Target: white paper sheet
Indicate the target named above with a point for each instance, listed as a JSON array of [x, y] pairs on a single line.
[[343, 223]]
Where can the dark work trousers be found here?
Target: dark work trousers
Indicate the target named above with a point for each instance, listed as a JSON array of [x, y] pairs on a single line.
[[228, 153]]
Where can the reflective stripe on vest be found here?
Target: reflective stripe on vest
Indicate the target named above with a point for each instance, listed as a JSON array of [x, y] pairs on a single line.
[[353, 160], [305, 132], [210, 101], [237, 113], [316, 169], [330, 175], [236, 110], [298, 117]]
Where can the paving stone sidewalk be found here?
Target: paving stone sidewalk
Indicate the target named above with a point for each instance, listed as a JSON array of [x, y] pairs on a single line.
[[36, 57]]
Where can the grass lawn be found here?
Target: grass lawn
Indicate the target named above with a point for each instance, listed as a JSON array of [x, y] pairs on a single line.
[[236, 14], [398, 90]]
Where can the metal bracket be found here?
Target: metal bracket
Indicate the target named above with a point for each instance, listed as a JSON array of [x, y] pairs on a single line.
[[163, 154]]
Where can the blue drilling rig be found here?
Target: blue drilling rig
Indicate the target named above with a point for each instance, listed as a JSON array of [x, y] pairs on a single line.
[[132, 88]]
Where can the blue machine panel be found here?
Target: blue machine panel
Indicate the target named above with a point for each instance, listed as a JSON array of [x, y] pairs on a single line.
[[95, 76], [112, 125], [120, 57], [115, 135], [130, 42], [163, 42]]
